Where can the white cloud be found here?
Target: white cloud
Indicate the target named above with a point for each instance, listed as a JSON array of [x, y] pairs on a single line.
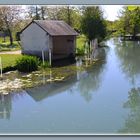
[[111, 11]]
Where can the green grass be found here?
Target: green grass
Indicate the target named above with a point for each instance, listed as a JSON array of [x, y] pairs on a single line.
[[2, 39], [9, 60], [5, 46], [9, 49]]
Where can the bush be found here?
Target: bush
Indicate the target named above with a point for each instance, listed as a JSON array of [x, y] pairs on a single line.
[[45, 65], [80, 51], [27, 63]]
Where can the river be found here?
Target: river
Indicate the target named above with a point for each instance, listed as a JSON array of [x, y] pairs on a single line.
[[104, 99]]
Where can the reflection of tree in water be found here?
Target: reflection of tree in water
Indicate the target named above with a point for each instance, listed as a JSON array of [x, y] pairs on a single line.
[[129, 55], [5, 106], [6, 103], [91, 82], [132, 124]]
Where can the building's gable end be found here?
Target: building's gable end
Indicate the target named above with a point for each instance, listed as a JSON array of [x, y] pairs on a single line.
[[34, 39], [26, 27], [30, 24], [42, 28]]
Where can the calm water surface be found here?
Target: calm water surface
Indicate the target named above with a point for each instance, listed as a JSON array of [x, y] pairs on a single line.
[[105, 99]]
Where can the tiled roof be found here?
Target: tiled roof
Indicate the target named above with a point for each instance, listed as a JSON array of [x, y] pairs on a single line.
[[56, 27]]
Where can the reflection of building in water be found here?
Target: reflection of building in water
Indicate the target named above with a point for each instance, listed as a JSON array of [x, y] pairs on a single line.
[[48, 90], [5, 106], [85, 82]]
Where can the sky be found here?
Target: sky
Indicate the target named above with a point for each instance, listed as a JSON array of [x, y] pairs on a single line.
[[111, 11]]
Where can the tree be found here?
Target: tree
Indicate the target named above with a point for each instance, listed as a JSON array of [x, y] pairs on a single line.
[[65, 13], [69, 14], [51, 12], [92, 23], [8, 16], [130, 21], [43, 12], [34, 12]]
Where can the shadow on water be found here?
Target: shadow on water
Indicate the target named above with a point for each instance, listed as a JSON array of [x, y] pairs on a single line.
[[128, 53], [132, 122], [63, 62]]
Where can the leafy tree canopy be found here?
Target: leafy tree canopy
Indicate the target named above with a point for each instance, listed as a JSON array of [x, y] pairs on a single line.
[[92, 23], [129, 21]]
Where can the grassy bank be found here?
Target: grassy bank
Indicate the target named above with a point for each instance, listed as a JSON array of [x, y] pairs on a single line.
[[9, 61], [5, 45]]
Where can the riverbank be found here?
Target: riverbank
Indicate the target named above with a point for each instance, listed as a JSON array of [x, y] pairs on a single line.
[[16, 81]]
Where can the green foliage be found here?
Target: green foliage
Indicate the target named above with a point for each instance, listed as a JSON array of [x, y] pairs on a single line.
[[70, 15], [111, 27], [80, 51], [45, 65], [9, 68], [92, 24], [9, 15], [131, 7], [6, 45], [129, 21], [27, 63], [80, 45]]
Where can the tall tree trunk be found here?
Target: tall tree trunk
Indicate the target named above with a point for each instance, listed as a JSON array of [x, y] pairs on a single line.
[[42, 13], [134, 34], [9, 32], [11, 37], [37, 14], [69, 15], [4, 40]]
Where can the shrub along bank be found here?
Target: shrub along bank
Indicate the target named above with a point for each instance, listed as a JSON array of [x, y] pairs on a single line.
[[22, 63]]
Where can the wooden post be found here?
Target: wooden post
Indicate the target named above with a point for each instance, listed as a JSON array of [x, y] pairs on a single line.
[[43, 78], [43, 57], [0, 67], [77, 65], [50, 57], [90, 49], [50, 75]]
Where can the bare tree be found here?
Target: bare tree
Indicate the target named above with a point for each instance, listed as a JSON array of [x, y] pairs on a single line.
[[8, 16]]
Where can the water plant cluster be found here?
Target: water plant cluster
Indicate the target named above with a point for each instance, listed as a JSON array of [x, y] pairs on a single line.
[[27, 63]]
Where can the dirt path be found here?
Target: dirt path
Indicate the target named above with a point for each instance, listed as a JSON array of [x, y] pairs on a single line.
[[11, 52]]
